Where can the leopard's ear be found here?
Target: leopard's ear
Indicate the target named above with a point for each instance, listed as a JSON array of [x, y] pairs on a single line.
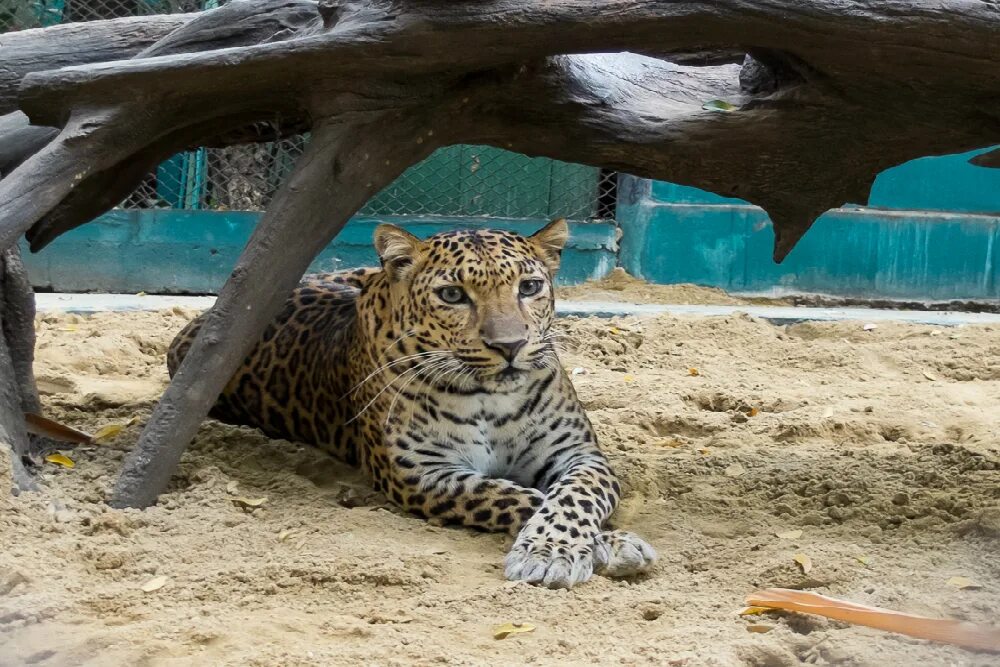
[[396, 248], [551, 239]]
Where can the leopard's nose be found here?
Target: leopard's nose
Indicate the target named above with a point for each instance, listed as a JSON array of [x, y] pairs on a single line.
[[508, 349]]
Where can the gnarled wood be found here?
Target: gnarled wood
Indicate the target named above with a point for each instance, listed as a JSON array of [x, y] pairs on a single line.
[[307, 212], [17, 383], [824, 74], [75, 44], [830, 94]]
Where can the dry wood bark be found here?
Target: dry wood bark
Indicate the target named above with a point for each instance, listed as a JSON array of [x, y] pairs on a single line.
[[824, 96]]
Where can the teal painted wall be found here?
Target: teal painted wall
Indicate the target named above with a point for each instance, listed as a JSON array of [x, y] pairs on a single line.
[[929, 233], [176, 251]]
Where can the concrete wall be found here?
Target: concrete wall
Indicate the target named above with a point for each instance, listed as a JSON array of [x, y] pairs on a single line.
[[929, 233], [177, 251]]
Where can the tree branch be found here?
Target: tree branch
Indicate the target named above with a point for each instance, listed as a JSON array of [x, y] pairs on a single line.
[[857, 39], [19, 140], [797, 152], [343, 166], [68, 44], [837, 91], [17, 383], [987, 159]]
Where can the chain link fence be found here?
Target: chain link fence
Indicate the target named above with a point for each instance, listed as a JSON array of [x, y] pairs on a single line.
[[458, 181]]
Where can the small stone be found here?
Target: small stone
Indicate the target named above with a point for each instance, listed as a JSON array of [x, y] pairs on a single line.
[[735, 470], [870, 531], [812, 519], [651, 613], [10, 579], [64, 516], [154, 584]]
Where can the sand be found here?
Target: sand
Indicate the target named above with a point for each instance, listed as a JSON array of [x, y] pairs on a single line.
[[880, 446], [621, 287]]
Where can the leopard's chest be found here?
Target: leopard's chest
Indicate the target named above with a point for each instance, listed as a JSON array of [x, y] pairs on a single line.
[[487, 432]]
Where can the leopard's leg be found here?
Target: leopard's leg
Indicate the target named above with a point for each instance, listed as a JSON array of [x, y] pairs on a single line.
[[560, 538], [619, 553], [564, 543], [452, 493]]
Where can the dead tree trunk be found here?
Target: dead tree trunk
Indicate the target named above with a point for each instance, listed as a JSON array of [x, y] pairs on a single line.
[[830, 94], [17, 383], [305, 215]]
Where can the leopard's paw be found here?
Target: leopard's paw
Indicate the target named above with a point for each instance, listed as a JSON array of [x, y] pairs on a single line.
[[541, 561], [618, 553]]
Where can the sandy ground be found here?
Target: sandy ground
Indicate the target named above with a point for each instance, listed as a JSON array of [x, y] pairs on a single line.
[[620, 287], [879, 446]]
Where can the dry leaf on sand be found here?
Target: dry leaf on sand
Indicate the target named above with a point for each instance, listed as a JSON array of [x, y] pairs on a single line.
[[805, 562], [154, 584], [507, 629], [249, 503], [61, 459], [964, 583]]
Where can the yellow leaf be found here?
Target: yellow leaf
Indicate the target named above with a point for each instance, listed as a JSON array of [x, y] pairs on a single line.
[[284, 535], [964, 583], [628, 378], [706, 452], [614, 331], [790, 534], [754, 611], [864, 560], [249, 503], [106, 433], [507, 629], [154, 584], [140, 294], [759, 628], [64, 461], [718, 105], [805, 562], [693, 372], [69, 328], [754, 412]]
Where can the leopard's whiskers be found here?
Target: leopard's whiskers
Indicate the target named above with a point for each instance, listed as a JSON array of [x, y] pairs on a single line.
[[431, 367], [424, 362], [394, 362]]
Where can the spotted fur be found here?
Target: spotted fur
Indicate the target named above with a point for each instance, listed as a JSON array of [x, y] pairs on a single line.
[[438, 375]]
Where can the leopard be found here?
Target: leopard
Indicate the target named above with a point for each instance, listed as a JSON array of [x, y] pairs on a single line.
[[438, 374]]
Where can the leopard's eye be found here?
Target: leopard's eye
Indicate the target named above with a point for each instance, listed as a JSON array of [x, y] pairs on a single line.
[[530, 287], [451, 294]]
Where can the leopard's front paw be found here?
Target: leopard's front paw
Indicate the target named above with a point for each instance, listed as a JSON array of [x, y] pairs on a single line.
[[538, 560], [618, 553]]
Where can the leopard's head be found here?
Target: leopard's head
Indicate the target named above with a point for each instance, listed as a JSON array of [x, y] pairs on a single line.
[[482, 300]]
